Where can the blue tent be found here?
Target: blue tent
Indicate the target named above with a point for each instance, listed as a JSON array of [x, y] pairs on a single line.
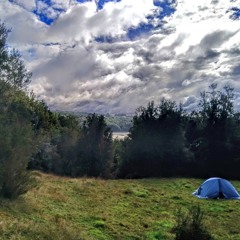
[[216, 188]]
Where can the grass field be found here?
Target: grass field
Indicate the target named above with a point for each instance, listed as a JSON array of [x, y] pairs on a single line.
[[64, 208]]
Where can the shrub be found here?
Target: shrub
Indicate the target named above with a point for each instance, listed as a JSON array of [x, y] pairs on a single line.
[[16, 134], [16, 148], [190, 225]]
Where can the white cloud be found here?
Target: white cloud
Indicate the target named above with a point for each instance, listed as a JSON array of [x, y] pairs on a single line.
[[26, 29], [27, 4], [82, 22]]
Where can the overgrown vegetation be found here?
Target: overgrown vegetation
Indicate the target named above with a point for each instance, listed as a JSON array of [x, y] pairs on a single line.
[[191, 226]]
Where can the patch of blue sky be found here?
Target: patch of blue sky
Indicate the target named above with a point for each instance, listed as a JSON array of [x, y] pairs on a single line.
[[43, 15], [166, 6], [165, 9], [48, 2], [141, 29], [101, 3], [235, 13], [83, 1]]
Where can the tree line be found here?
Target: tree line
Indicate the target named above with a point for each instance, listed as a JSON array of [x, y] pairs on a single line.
[[164, 140]]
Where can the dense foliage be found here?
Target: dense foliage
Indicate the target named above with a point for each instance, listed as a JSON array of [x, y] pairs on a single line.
[[16, 134], [166, 141], [157, 141]]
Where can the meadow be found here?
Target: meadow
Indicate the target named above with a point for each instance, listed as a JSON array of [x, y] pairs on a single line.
[[96, 209]]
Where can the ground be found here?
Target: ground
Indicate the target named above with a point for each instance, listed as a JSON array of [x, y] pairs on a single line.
[[95, 209]]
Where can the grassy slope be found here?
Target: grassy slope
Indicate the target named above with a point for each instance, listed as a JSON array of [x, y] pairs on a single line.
[[63, 208]]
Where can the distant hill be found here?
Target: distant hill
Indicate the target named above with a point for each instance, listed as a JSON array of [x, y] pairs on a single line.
[[117, 122]]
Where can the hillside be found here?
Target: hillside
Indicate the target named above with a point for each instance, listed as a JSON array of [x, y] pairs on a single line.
[[90, 209], [117, 123]]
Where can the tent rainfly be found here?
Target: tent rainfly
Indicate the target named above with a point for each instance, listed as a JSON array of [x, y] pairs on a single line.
[[216, 188]]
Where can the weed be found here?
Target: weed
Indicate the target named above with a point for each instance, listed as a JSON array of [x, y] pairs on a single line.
[[190, 226]]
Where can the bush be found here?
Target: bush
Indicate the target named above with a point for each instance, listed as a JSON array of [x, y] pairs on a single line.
[[16, 133], [190, 226], [16, 148]]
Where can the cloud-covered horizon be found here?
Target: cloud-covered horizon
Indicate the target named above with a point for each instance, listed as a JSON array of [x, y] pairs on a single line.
[[114, 56]]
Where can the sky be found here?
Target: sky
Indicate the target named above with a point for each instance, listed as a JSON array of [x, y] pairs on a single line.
[[113, 56]]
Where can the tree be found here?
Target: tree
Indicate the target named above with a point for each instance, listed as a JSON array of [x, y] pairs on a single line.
[[3, 51], [16, 149], [16, 143], [157, 146], [58, 149], [17, 75], [12, 68], [95, 148], [215, 131], [16, 134]]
